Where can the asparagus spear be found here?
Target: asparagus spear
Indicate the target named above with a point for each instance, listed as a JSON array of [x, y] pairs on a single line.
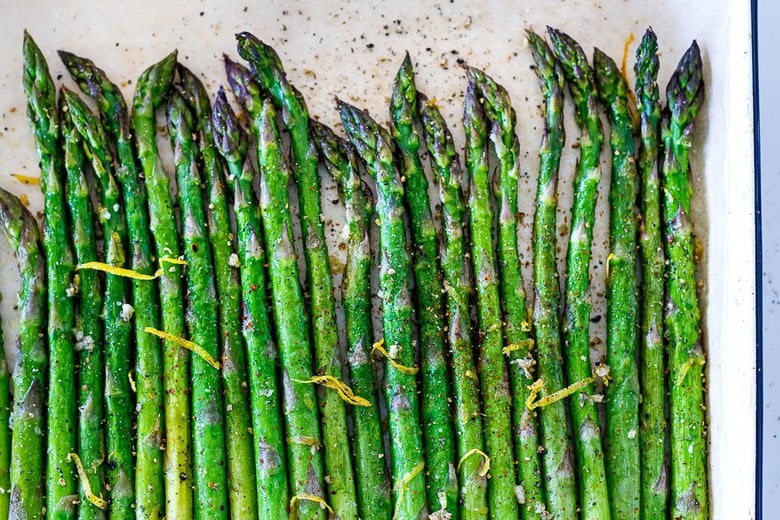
[[5, 435], [268, 71], [292, 328], [151, 89], [457, 284], [119, 403], [374, 145], [269, 441], [547, 288], [493, 376], [61, 432], [501, 115], [91, 447], [684, 96], [371, 478], [441, 478], [652, 419], [622, 440], [594, 494], [29, 371], [208, 434], [149, 420], [240, 469]]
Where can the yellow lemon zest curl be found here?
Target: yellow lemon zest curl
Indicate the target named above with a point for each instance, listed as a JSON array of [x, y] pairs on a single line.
[[129, 273], [485, 460], [95, 500], [404, 483], [341, 388], [189, 345], [520, 345], [398, 366], [554, 397], [309, 498]]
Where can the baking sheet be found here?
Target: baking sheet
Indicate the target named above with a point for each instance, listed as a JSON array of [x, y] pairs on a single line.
[[352, 50]]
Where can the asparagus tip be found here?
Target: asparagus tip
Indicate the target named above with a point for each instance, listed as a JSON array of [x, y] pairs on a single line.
[[221, 95], [172, 56], [535, 41], [68, 58], [407, 61], [647, 48], [565, 46], [341, 104], [686, 86], [600, 58]]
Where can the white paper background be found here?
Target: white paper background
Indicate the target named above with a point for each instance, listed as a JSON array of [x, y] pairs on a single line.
[[352, 50]]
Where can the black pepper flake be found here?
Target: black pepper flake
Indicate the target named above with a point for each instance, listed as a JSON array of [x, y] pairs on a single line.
[[370, 45]]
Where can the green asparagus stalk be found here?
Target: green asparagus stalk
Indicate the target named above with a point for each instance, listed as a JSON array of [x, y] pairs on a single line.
[[593, 490], [652, 419], [374, 145], [269, 440], [494, 380], [371, 478], [684, 96], [61, 426], [149, 419], [266, 67], [292, 328], [457, 285], [151, 89], [89, 327], [502, 118], [5, 435], [240, 469], [28, 443], [547, 288], [208, 434], [117, 312], [621, 437], [441, 477]]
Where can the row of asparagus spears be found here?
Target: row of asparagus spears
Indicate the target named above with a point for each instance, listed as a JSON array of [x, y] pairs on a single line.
[[171, 363]]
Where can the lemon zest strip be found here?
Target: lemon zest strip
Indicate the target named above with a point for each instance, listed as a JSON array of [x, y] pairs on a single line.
[[485, 460], [341, 388], [398, 366], [189, 345], [522, 344], [554, 397], [129, 273], [310, 498], [696, 360], [404, 483], [97, 501], [26, 179]]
